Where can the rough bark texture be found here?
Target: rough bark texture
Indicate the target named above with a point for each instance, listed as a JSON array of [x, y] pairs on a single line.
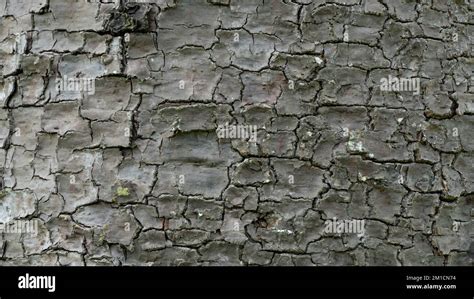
[[134, 172]]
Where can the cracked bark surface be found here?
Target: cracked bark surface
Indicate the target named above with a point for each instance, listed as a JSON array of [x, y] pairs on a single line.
[[135, 174]]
